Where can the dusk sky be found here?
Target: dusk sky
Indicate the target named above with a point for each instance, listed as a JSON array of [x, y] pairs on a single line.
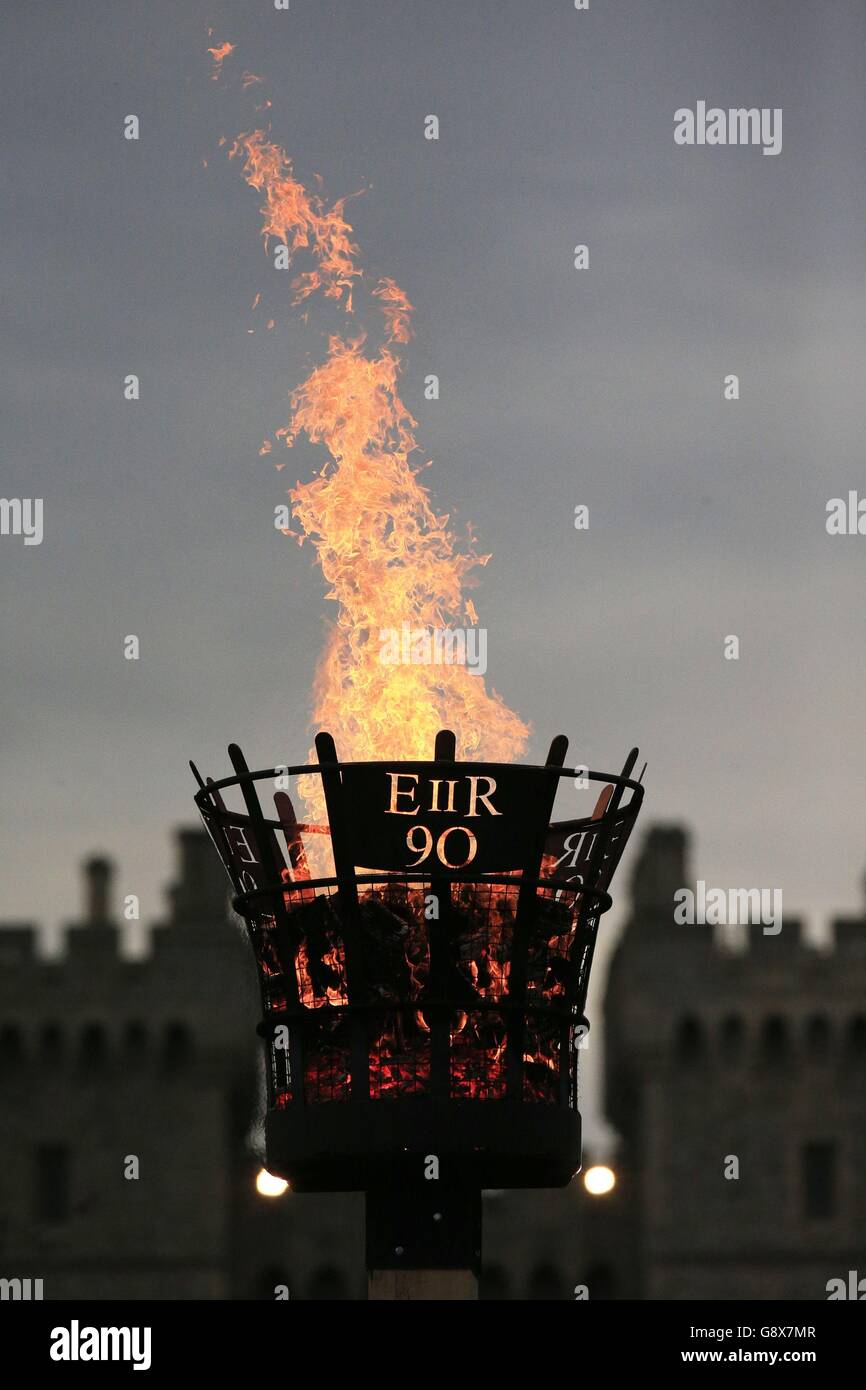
[[559, 387]]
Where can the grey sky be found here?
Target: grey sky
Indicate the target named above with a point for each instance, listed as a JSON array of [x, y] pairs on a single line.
[[557, 387]]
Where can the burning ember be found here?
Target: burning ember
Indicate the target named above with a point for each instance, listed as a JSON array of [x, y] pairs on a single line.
[[479, 932]]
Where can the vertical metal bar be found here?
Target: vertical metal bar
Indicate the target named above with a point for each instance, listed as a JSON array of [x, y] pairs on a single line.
[[292, 835], [350, 915], [595, 864], [445, 751], [569, 1059], [527, 902], [196, 774], [273, 865], [217, 833]]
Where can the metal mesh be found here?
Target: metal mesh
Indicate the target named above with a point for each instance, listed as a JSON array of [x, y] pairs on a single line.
[[471, 926]]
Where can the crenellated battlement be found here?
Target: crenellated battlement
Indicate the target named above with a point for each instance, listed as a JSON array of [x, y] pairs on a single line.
[[701, 992], [18, 948], [92, 1010], [738, 931]]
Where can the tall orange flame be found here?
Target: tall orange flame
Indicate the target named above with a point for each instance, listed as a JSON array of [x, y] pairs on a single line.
[[389, 558]]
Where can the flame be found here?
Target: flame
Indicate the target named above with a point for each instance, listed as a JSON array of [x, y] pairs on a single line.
[[219, 55], [389, 557], [396, 310], [299, 219]]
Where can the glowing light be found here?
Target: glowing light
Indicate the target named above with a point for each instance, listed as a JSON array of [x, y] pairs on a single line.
[[269, 1186], [599, 1179]]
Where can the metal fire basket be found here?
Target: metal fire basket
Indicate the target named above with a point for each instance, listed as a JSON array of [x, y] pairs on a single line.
[[425, 999]]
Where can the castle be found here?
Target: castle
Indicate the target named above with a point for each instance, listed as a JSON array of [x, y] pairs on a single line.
[[758, 1056], [104, 1060], [130, 1092]]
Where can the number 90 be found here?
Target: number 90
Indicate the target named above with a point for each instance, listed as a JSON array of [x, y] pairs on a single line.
[[424, 845]]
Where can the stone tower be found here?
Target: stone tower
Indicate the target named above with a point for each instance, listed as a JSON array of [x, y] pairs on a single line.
[[724, 1061], [131, 1091]]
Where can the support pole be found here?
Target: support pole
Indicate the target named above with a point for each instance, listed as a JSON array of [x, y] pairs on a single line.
[[423, 1240]]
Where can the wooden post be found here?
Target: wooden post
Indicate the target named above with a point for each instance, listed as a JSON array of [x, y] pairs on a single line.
[[422, 1285]]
